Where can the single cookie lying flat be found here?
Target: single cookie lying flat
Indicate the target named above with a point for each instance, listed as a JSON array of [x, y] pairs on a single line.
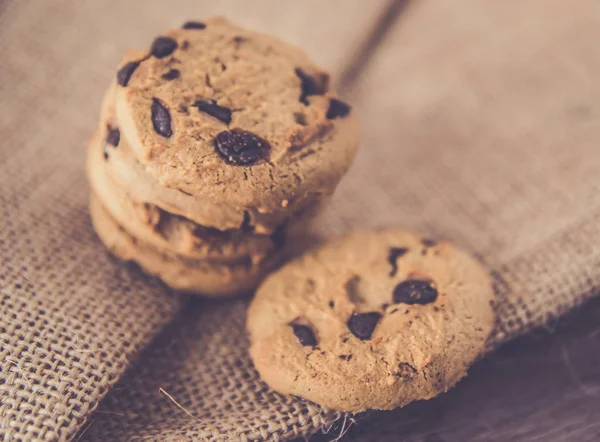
[[132, 176], [236, 118], [374, 320]]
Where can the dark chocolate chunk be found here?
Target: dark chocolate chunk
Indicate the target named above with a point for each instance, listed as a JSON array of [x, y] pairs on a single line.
[[193, 25], [345, 357], [405, 371], [304, 334], [351, 287], [241, 148], [309, 86], [278, 236], [105, 153], [161, 120], [415, 291], [171, 75], [113, 136], [395, 253], [337, 109], [125, 73], [163, 47], [429, 242], [185, 45], [331, 304], [362, 324], [221, 113], [246, 225], [300, 118]]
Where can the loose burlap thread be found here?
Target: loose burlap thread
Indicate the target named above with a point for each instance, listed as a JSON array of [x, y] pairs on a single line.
[[472, 133]]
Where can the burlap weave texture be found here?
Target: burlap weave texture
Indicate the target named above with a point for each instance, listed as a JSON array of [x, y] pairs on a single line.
[[484, 132]]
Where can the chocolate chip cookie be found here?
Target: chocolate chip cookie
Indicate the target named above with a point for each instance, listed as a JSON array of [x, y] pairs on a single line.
[[182, 273], [374, 320], [165, 230], [235, 118], [131, 175]]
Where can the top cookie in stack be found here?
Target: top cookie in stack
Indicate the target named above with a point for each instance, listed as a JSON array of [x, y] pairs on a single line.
[[210, 145]]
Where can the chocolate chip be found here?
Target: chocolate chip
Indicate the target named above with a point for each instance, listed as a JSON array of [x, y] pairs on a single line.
[[429, 242], [309, 86], [221, 113], [405, 371], [246, 226], [278, 236], [304, 334], [241, 148], [331, 304], [300, 118], [125, 73], [345, 357], [171, 75], [193, 25], [237, 39], [362, 324], [337, 109], [351, 287], [113, 136], [161, 120], [395, 253], [163, 47], [185, 45], [105, 153], [415, 291]]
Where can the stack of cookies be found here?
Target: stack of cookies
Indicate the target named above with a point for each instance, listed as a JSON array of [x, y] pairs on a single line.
[[213, 146]]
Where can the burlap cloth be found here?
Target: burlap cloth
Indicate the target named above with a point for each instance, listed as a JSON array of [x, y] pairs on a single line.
[[480, 125]]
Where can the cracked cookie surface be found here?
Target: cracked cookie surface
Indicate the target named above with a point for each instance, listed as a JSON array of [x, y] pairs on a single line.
[[374, 320], [132, 176], [234, 117]]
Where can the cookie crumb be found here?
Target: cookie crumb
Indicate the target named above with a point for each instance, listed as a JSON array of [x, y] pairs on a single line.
[[393, 255]]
